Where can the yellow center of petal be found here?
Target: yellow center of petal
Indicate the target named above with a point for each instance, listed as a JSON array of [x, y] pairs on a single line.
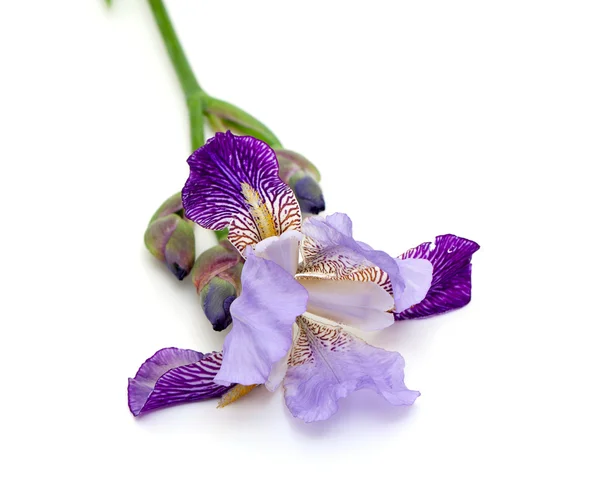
[[259, 211]]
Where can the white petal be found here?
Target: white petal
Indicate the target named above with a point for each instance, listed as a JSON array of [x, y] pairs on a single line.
[[283, 250], [361, 305], [277, 373], [417, 275]]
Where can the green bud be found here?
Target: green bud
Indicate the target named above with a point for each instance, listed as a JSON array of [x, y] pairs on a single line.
[[224, 116], [171, 205], [291, 163], [213, 262], [171, 239], [303, 177]]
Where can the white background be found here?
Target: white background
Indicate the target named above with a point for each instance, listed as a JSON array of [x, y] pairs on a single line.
[[476, 118]]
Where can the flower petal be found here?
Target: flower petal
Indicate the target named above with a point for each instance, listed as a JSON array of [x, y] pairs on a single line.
[[172, 376], [282, 250], [417, 275], [451, 283], [328, 363], [263, 316], [363, 305], [330, 251], [234, 182]]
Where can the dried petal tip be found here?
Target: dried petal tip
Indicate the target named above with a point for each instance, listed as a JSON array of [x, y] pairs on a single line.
[[171, 239], [303, 177], [217, 297], [234, 394]]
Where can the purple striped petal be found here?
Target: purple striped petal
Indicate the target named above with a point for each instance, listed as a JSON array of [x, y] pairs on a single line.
[[234, 182], [173, 376], [263, 316], [328, 363], [331, 250], [451, 284]]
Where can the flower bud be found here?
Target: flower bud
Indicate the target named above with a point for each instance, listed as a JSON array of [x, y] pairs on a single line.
[[216, 297], [224, 116], [303, 177], [217, 277], [171, 205], [171, 239]]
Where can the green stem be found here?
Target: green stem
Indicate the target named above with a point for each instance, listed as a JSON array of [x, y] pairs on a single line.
[[186, 76], [194, 95]]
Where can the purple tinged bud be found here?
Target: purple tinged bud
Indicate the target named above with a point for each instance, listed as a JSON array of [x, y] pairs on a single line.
[[217, 297], [303, 177], [309, 195], [171, 239], [217, 277]]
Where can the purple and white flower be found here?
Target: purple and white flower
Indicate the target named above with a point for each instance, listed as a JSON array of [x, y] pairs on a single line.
[[303, 284]]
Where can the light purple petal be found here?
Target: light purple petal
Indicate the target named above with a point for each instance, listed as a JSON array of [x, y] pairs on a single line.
[[451, 284], [263, 316], [328, 363], [283, 250], [362, 305], [172, 376], [331, 250], [417, 275], [234, 182]]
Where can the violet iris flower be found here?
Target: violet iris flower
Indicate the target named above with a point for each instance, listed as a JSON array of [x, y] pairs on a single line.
[[303, 284]]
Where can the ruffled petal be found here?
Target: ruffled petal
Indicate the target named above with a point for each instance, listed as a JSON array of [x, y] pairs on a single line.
[[172, 376], [234, 182], [328, 363], [362, 305], [329, 250], [451, 283], [263, 316]]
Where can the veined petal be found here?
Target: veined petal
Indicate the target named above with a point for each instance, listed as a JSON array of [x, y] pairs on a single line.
[[363, 305], [234, 182], [328, 363], [330, 251], [172, 376], [263, 316], [450, 288]]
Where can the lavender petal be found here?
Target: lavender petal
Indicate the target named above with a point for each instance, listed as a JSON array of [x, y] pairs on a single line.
[[331, 250], [263, 316], [327, 364]]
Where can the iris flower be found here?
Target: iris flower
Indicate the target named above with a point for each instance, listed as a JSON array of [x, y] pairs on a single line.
[[303, 285]]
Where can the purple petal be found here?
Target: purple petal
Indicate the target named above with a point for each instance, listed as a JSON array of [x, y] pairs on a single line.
[[263, 316], [173, 376], [451, 284], [328, 363], [332, 250], [234, 182]]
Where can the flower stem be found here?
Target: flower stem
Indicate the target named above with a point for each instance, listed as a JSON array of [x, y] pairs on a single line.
[[194, 95]]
